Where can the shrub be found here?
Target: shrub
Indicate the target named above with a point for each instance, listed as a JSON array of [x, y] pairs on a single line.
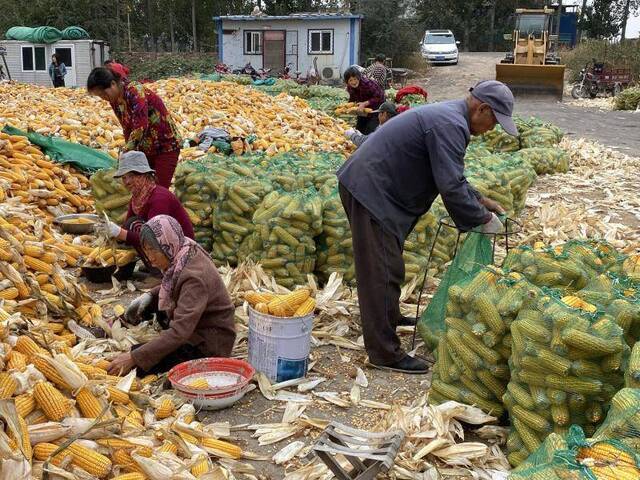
[[623, 55]]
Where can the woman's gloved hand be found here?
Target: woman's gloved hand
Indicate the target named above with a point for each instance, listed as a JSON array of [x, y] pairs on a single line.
[[137, 307], [110, 229]]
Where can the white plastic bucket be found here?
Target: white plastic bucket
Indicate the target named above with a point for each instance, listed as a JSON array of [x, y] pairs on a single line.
[[279, 347]]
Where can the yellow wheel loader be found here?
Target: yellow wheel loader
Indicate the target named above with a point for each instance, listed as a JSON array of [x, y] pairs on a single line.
[[531, 68]]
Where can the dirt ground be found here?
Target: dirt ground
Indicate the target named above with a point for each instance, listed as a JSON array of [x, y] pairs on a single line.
[[615, 129]]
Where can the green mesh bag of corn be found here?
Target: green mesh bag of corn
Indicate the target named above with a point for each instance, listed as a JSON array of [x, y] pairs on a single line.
[[474, 343], [545, 160], [574, 456], [111, 195], [566, 364]]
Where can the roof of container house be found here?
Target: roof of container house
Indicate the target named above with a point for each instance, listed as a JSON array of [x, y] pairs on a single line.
[[293, 16]]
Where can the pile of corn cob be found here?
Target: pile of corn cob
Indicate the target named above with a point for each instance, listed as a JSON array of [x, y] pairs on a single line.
[[61, 408], [280, 123], [298, 303]]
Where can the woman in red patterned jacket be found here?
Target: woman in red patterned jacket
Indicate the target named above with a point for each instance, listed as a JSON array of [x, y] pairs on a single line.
[[146, 122]]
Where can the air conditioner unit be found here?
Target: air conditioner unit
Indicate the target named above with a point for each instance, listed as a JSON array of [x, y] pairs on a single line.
[[330, 73]]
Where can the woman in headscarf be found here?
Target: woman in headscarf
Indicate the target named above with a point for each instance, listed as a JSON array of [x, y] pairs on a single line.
[[192, 304], [148, 200], [146, 122]]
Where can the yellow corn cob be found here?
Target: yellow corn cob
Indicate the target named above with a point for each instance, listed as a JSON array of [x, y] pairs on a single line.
[[16, 361], [117, 396], [25, 404], [258, 297], [89, 405], [590, 343], [200, 468], [49, 258], [560, 414], [528, 436], [54, 405], [531, 419], [42, 452], [286, 305], [123, 459], [28, 347], [4, 315], [165, 409], [133, 412], [10, 293], [131, 476], [148, 379], [305, 308], [221, 448], [262, 308], [92, 371], [36, 417], [187, 437], [199, 383], [49, 372], [8, 385], [38, 265], [49, 288], [90, 461], [34, 250], [168, 447]]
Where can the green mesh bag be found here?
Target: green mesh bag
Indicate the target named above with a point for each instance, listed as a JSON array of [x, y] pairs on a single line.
[[475, 252], [111, 196]]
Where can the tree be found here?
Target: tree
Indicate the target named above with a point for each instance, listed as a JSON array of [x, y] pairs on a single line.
[[628, 7], [603, 18]]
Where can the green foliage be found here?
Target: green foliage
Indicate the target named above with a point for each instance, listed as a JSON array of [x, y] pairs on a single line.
[[154, 67], [629, 99], [622, 55]]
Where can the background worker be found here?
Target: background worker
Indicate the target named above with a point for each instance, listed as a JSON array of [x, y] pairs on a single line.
[[118, 68], [57, 71], [386, 112], [367, 94], [146, 122], [192, 304], [148, 200], [391, 181], [379, 72]]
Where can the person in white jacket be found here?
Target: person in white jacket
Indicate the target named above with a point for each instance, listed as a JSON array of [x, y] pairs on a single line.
[[386, 112]]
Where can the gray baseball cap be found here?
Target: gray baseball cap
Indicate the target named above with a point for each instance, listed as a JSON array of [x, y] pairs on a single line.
[[133, 161], [498, 96], [387, 107]]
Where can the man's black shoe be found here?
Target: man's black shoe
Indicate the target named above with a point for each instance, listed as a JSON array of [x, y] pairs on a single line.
[[407, 321], [406, 364]]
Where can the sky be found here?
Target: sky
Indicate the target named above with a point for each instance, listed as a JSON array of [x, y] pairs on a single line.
[[633, 26]]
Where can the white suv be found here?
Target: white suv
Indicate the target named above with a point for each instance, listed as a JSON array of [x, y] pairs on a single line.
[[439, 46]]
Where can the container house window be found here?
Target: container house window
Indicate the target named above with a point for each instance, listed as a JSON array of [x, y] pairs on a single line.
[[321, 42], [252, 42], [34, 59]]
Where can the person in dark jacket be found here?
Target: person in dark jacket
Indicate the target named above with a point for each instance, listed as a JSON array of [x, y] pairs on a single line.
[[57, 71], [379, 72], [392, 180], [366, 93], [385, 113], [192, 304], [148, 200]]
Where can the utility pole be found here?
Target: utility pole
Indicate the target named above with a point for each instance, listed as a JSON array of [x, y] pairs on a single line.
[[193, 22], [129, 25], [171, 28]]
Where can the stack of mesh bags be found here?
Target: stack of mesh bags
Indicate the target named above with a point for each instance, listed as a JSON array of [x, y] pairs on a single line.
[[285, 223], [111, 195], [472, 356], [566, 365], [610, 454]]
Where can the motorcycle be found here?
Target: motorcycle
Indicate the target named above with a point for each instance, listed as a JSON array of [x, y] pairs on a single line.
[[222, 68], [248, 69], [599, 79]]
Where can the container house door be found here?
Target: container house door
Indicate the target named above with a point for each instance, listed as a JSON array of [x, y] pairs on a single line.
[[67, 55], [274, 50]]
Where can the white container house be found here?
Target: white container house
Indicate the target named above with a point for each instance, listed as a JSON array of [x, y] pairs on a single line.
[[29, 62], [274, 42]]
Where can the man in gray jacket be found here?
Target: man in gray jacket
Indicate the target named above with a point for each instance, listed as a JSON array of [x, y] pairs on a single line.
[[385, 112], [392, 180]]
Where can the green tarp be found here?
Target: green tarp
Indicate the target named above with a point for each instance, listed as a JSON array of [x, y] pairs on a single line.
[[83, 158], [34, 35], [74, 33]]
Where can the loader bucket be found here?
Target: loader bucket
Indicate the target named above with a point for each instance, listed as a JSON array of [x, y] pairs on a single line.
[[532, 80]]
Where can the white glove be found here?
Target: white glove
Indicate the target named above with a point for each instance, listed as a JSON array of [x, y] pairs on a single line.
[[110, 229], [492, 226], [136, 308], [349, 133]]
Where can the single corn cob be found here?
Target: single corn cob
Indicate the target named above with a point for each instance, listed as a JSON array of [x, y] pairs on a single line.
[[520, 395], [117, 396], [25, 446], [131, 476], [187, 437], [10, 293], [165, 409], [28, 347], [221, 448], [590, 343], [528, 436], [148, 379], [305, 308], [38, 265], [168, 447], [123, 459], [258, 297], [262, 308], [200, 468], [49, 372], [573, 384], [92, 462], [54, 405], [531, 419], [42, 452], [488, 313], [89, 404], [560, 414], [8, 385], [518, 457], [25, 404]]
